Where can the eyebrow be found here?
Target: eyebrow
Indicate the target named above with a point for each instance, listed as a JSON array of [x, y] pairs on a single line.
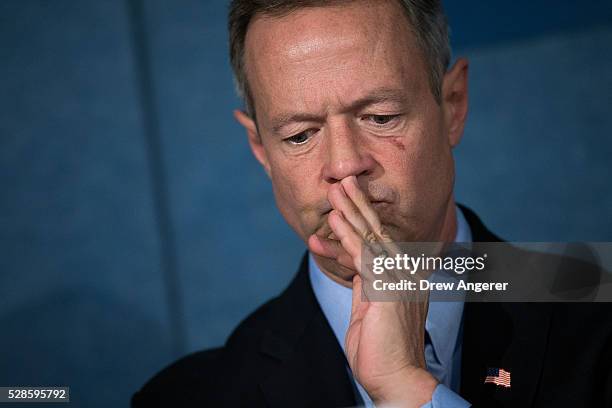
[[377, 96]]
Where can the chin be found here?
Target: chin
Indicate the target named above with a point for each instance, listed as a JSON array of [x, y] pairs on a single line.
[[339, 273]]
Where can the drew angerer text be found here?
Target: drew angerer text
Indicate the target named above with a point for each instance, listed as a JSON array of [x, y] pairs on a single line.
[[424, 284]]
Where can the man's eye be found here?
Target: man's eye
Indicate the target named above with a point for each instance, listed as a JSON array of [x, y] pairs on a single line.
[[300, 138], [381, 119]]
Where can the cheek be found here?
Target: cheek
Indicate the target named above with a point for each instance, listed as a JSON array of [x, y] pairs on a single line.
[[296, 194], [420, 167], [398, 143], [285, 192]]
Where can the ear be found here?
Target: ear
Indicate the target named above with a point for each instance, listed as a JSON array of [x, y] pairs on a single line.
[[455, 100], [254, 139]]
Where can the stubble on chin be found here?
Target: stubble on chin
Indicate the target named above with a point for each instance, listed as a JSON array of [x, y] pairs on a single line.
[[335, 271], [323, 230]]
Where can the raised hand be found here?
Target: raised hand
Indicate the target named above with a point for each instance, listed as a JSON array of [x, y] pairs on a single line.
[[385, 340]]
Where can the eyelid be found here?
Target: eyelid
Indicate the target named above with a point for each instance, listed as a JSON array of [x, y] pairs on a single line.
[[287, 139], [390, 117], [384, 114]]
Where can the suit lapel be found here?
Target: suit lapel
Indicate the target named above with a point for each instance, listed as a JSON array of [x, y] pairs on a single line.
[[311, 368], [312, 371], [509, 336]]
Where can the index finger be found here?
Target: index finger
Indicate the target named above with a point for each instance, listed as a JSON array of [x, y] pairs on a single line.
[[362, 203]]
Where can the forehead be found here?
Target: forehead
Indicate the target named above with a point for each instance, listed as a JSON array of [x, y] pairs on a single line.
[[320, 56]]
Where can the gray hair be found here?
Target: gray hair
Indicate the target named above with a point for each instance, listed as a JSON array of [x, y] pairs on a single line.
[[426, 17]]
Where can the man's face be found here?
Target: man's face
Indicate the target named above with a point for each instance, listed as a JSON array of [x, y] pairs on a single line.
[[341, 91]]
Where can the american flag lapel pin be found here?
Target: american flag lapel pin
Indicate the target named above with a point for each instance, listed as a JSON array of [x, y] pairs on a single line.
[[498, 376]]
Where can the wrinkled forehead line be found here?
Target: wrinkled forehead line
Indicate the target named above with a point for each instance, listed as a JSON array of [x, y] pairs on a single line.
[[370, 26], [302, 30]]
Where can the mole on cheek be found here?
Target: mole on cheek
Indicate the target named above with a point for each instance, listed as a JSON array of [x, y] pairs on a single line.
[[397, 142]]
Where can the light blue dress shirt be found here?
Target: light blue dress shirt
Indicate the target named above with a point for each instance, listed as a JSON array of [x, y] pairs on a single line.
[[443, 326]]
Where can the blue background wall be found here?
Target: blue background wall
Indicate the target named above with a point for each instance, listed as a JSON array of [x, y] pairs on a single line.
[[126, 186]]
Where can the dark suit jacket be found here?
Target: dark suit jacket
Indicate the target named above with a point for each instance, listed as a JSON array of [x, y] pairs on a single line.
[[286, 355]]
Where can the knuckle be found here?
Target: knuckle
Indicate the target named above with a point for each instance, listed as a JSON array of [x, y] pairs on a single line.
[[369, 236]]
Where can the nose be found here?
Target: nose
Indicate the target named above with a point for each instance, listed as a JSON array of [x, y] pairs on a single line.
[[346, 154]]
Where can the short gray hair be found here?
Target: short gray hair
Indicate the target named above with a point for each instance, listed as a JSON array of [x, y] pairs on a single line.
[[426, 17]]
